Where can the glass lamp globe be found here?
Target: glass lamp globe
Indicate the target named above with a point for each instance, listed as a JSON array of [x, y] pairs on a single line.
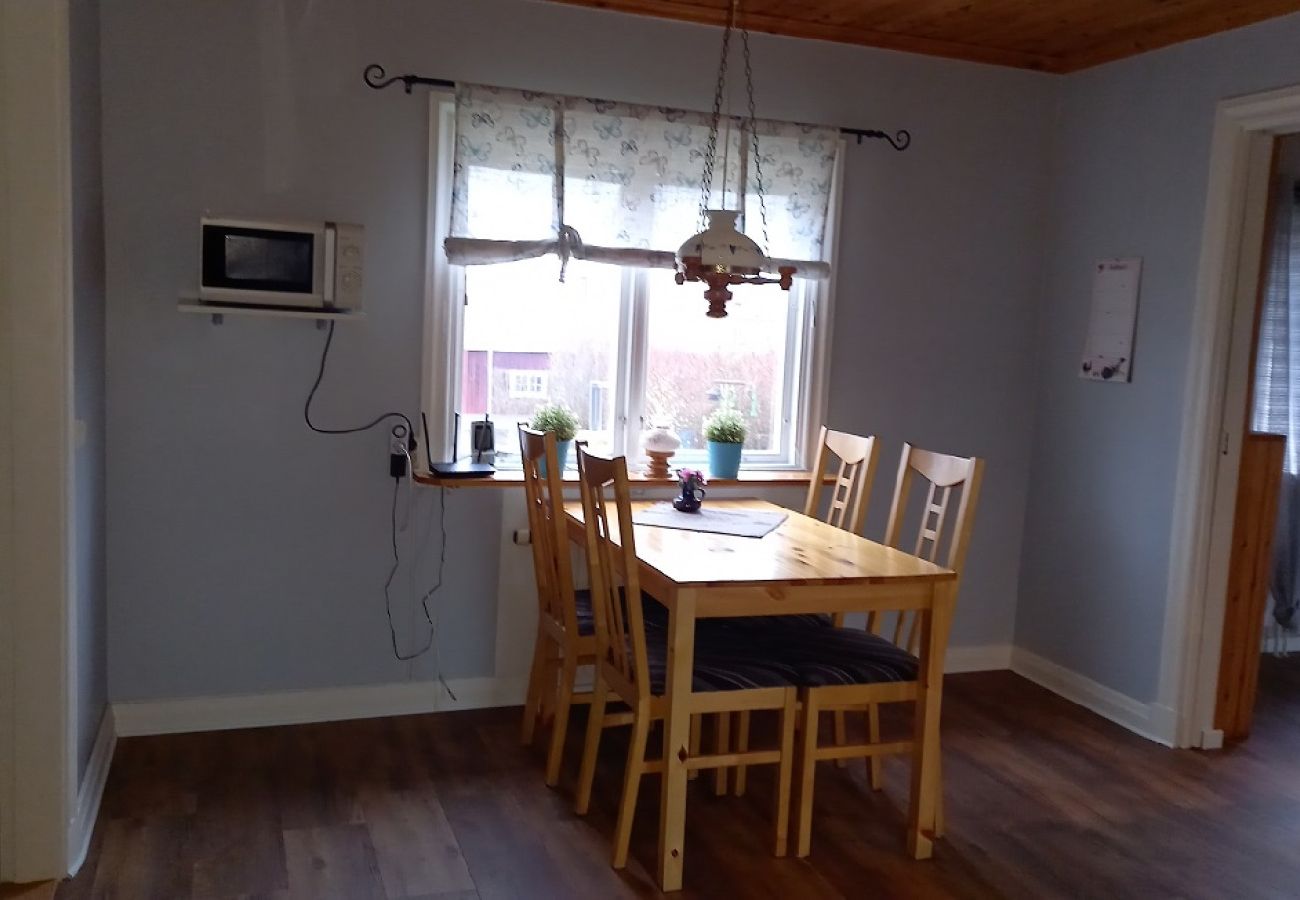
[[721, 247]]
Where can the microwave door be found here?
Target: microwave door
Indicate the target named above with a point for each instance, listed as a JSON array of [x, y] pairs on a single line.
[[262, 265]]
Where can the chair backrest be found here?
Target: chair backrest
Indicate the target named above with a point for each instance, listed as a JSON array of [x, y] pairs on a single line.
[[857, 467], [544, 494], [620, 627], [944, 474]]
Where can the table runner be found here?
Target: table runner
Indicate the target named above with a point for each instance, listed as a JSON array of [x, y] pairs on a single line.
[[751, 523]]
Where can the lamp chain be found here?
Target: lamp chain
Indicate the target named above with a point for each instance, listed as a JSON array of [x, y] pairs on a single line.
[[753, 135], [711, 150]]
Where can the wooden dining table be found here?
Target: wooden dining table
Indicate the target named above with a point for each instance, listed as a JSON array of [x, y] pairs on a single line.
[[803, 566]]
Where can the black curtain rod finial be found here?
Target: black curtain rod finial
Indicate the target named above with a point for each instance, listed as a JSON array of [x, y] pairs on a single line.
[[375, 78], [899, 140]]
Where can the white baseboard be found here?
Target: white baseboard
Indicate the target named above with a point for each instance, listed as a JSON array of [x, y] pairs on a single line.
[[1150, 720], [987, 658], [91, 792], [139, 717]]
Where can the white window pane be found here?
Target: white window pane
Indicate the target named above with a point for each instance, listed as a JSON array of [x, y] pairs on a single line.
[[531, 340], [506, 205], [696, 365]]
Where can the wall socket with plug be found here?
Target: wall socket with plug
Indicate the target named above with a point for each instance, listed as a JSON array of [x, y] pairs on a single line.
[[398, 442]]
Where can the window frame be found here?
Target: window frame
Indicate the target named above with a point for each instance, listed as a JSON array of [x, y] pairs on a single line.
[[807, 360]]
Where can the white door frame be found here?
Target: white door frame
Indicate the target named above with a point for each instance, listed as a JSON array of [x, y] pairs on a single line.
[[1214, 406], [38, 781]]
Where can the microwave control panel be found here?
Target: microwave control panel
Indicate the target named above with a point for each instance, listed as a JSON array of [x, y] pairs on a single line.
[[348, 265]]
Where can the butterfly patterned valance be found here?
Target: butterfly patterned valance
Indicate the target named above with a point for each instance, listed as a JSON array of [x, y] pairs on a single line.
[[620, 183]]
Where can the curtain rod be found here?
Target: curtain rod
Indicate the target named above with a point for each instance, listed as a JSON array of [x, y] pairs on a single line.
[[375, 77]]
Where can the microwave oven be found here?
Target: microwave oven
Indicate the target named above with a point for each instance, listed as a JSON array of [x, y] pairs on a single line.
[[313, 266]]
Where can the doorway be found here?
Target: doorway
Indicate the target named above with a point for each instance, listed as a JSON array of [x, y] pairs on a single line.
[[1215, 401], [1273, 407]]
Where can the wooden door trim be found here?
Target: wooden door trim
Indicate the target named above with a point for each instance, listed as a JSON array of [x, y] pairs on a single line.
[[1255, 521]]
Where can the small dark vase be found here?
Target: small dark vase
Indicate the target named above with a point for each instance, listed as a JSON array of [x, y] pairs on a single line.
[[691, 497]]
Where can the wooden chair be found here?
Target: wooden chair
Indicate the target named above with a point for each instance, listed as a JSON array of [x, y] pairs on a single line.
[[852, 487], [859, 670], [566, 636], [847, 509], [631, 662]]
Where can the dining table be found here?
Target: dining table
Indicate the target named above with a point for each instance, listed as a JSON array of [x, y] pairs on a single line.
[[801, 566]]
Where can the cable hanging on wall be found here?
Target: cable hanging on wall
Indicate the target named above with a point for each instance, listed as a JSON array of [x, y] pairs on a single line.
[[377, 78], [404, 434]]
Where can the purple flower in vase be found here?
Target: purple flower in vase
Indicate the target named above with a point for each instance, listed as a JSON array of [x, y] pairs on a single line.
[[685, 475], [692, 482]]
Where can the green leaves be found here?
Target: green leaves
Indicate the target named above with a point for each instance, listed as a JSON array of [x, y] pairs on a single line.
[[726, 426], [558, 419]]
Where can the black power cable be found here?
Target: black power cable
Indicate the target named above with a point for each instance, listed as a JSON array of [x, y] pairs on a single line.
[[397, 483], [320, 375], [428, 595]]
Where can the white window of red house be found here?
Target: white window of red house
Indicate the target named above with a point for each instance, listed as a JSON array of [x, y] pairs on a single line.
[[622, 346]]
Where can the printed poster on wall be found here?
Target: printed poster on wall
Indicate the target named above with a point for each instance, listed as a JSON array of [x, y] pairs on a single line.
[[1108, 353]]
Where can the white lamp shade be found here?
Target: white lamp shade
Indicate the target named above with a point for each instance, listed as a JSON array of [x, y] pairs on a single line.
[[662, 440], [722, 247]]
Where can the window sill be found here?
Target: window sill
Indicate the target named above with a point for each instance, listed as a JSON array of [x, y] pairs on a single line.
[[752, 478]]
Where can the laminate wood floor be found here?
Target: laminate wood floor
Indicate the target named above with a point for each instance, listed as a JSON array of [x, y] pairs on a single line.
[[1044, 800]]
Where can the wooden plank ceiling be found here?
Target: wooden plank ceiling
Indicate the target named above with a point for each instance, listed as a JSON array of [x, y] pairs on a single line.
[[1047, 35]]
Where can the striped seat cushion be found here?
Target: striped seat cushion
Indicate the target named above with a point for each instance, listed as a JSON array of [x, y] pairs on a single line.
[[586, 616], [831, 656], [724, 661], [652, 610], [776, 623]]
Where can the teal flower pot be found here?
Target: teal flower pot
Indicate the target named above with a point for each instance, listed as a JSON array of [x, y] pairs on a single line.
[[724, 459], [562, 451]]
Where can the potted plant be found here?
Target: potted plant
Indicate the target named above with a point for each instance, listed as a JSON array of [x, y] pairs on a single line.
[[562, 423], [725, 433]]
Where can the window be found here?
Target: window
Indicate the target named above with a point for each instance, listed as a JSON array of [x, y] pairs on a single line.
[[622, 346], [526, 384]]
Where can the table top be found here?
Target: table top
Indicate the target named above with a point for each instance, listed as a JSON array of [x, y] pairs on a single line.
[[801, 551]]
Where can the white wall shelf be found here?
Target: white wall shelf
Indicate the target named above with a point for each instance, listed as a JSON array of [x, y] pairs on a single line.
[[219, 311]]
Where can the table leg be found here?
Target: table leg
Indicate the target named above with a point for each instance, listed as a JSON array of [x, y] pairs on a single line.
[[925, 762], [677, 728]]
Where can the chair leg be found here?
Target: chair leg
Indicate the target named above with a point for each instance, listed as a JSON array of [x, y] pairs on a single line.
[[591, 746], [631, 784], [697, 737], [721, 744], [876, 764], [841, 736], [938, 806], [807, 772], [742, 745], [560, 729], [785, 771], [532, 705], [549, 691]]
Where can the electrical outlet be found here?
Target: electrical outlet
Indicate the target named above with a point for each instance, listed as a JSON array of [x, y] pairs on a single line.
[[397, 452]]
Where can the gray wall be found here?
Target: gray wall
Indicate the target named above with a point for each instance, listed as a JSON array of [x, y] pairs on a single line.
[[1131, 168], [91, 656], [246, 553]]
